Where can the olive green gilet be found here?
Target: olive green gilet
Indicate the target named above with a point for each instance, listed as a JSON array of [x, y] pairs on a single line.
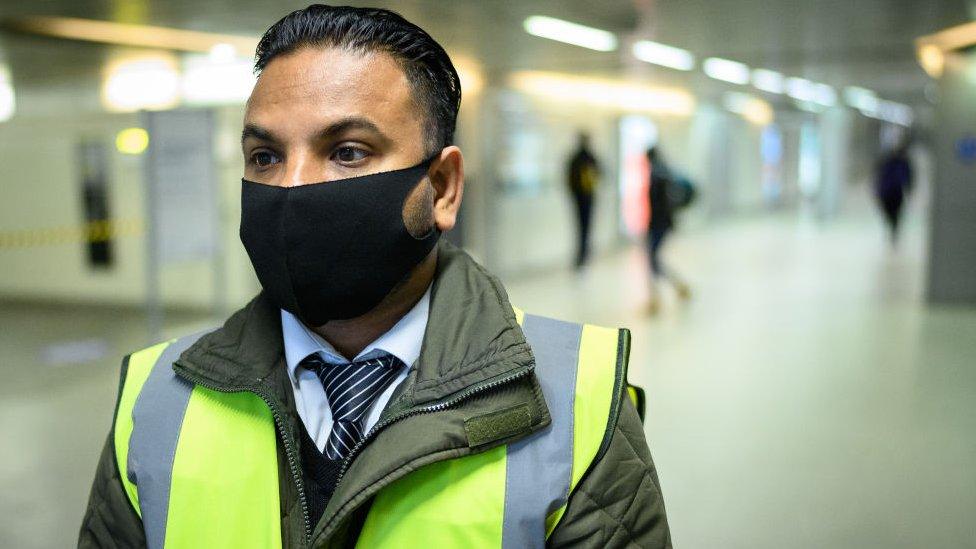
[[200, 467]]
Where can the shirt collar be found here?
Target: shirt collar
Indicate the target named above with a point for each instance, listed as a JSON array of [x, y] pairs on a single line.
[[403, 340]]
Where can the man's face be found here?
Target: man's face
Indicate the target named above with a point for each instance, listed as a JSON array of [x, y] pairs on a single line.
[[320, 114]]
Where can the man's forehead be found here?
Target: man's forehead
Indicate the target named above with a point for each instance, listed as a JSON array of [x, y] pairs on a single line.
[[331, 76]]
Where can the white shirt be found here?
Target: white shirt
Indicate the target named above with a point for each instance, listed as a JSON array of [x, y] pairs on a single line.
[[403, 341]]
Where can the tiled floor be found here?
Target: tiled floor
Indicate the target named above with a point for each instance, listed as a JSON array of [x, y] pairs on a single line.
[[803, 398]]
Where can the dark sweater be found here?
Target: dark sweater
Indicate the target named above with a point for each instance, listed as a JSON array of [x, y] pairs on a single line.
[[319, 474]]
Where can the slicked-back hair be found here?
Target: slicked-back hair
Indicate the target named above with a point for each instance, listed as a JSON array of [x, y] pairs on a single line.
[[434, 82]]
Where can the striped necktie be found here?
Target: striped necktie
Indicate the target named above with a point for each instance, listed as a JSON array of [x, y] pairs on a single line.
[[351, 389]]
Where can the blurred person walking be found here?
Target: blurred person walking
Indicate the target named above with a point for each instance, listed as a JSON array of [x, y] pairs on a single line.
[[668, 192], [380, 391], [892, 186], [582, 178]]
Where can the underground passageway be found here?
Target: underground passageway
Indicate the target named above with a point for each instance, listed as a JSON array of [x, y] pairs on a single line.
[[805, 397], [810, 387]]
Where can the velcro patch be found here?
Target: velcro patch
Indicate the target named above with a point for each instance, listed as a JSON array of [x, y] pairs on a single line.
[[497, 425]]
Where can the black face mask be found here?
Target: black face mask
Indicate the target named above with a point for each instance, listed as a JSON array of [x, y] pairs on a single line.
[[332, 250]]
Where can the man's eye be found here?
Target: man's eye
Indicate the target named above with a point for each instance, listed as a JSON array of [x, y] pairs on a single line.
[[263, 159], [349, 154]]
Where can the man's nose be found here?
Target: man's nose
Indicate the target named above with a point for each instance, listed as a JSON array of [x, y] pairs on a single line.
[[302, 168]]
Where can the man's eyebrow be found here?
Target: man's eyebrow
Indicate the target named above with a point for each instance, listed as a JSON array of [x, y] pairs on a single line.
[[329, 132], [253, 130], [351, 123]]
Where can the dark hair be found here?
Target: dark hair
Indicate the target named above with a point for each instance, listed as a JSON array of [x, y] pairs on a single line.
[[434, 81]]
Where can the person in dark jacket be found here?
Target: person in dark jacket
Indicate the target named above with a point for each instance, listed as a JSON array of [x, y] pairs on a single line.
[[380, 391], [582, 178], [661, 223], [892, 186]]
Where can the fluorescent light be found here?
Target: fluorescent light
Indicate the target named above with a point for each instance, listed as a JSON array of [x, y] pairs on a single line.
[[144, 36], [570, 33], [664, 55], [8, 102], [751, 108], [861, 99], [932, 59], [824, 95], [896, 113], [212, 79], [768, 81], [223, 52], [800, 89], [600, 92], [149, 82], [954, 38], [726, 70]]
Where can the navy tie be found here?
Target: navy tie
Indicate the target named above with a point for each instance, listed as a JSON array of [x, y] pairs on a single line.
[[351, 389]]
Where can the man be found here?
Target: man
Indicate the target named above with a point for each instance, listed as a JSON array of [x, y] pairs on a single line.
[[662, 205], [892, 184], [381, 391], [583, 177]]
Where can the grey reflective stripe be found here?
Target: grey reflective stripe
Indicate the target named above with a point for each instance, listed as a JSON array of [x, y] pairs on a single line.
[[539, 468], [156, 420]]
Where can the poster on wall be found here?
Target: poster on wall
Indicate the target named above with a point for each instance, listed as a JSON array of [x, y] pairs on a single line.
[[809, 168], [181, 202], [182, 185], [637, 134]]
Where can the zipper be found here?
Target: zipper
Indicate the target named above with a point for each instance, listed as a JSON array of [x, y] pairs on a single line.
[[290, 451], [418, 411], [279, 424]]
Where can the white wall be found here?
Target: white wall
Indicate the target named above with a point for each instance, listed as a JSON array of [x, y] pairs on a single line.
[[40, 189]]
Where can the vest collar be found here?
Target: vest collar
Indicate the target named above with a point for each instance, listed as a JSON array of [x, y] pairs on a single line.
[[472, 338]]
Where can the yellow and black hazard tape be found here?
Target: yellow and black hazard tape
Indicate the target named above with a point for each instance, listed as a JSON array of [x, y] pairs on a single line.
[[93, 231]]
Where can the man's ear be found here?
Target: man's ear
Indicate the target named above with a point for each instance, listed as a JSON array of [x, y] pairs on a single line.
[[447, 177]]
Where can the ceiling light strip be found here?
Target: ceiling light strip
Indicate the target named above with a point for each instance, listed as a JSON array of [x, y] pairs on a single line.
[[123, 34], [663, 55], [570, 33], [726, 70]]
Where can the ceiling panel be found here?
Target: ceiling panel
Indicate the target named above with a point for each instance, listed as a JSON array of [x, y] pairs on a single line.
[[841, 42]]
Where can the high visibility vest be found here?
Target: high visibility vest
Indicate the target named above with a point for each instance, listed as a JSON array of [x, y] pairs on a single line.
[[187, 453]]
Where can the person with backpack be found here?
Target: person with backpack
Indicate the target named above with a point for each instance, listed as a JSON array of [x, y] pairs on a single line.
[[667, 194]]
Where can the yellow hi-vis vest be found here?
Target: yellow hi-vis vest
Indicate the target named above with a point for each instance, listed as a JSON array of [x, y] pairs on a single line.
[[187, 455]]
